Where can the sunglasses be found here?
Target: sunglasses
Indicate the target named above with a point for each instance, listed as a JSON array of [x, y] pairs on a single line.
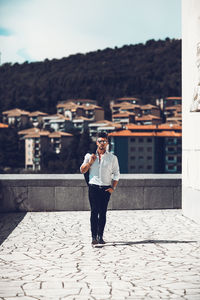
[[102, 142]]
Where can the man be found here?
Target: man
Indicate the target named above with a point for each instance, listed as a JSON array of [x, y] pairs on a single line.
[[103, 178]]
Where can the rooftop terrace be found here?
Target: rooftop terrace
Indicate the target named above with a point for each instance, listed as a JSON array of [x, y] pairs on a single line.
[[149, 254]]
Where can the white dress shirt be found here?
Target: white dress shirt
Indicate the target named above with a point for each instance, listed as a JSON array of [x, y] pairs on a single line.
[[103, 171]]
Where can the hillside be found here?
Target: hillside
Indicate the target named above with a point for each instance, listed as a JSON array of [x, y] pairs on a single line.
[[148, 71]]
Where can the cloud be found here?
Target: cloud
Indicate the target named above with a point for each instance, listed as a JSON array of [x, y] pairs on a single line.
[[24, 54], [58, 28], [5, 32]]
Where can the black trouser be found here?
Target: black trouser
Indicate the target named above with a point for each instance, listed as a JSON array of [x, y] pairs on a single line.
[[99, 199]]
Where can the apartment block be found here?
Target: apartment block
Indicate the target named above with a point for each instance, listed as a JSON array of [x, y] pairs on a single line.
[[130, 100], [171, 101], [103, 125], [39, 142], [80, 108], [57, 122], [148, 150], [147, 120], [36, 118], [124, 118], [150, 109], [16, 117]]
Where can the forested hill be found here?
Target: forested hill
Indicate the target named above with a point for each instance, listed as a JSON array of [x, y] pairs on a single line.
[[147, 71]]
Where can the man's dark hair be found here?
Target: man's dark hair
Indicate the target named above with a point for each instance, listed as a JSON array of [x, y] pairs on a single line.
[[102, 134]]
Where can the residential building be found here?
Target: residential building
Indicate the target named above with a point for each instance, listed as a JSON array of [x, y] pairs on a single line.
[[148, 120], [57, 122], [130, 100], [59, 140], [126, 107], [148, 150], [103, 125], [16, 117], [124, 118], [173, 114], [171, 101], [150, 109], [36, 118], [77, 108], [35, 146], [38, 143], [80, 123]]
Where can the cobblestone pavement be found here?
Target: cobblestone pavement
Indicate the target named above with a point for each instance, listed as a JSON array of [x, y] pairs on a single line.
[[148, 255]]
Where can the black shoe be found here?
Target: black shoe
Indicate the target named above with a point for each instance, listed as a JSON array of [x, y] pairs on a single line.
[[94, 241], [101, 241]]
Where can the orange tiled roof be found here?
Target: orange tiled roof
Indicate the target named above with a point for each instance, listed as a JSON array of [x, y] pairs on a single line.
[[37, 134], [163, 126], [147, 117], [37, 113], [125, 114], [69, 105], [174, 107], [15, 112], [81, 118], [125, 105], [56, 116], [59, 134], [158, 134], [127, 98], [149, 106], [134, 126], [168, 126], [169, 134], [3, 125], [89, 107], [28, 131], [173, 98]]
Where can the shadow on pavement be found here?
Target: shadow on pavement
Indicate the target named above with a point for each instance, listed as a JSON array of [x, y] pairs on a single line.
[[130, 243], [8, 222]]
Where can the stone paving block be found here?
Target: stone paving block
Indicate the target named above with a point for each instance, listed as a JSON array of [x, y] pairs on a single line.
[[60, 263], [158, 198], [128, 197], [41, 199]]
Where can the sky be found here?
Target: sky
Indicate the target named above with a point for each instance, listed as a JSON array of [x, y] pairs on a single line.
[[33, 30]]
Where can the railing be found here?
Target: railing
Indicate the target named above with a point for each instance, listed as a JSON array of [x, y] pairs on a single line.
[[45, 192]]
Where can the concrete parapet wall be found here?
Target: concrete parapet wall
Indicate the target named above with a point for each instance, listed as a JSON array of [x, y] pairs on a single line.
[[69, 192]]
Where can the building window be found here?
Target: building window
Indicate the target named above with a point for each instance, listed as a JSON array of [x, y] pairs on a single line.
[[141, 157], [133, 157], [141, 167], [132, 139], [149, 140], [170, 149], [149, 157], [170, 157], [170, 140], [133, 149], [141, 149], [149, 149], [149, 167], [171, 167], [132, 167], [141, 140]]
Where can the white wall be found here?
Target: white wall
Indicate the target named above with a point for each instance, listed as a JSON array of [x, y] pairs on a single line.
[[191, 120]]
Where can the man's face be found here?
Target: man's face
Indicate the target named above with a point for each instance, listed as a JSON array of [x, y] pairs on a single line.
[[102, 143]]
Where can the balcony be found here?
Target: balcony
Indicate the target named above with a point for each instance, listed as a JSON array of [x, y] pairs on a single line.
[[53, 192]]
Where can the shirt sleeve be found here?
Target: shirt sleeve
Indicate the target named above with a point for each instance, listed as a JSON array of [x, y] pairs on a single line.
[[86, 160], [116, 172]]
